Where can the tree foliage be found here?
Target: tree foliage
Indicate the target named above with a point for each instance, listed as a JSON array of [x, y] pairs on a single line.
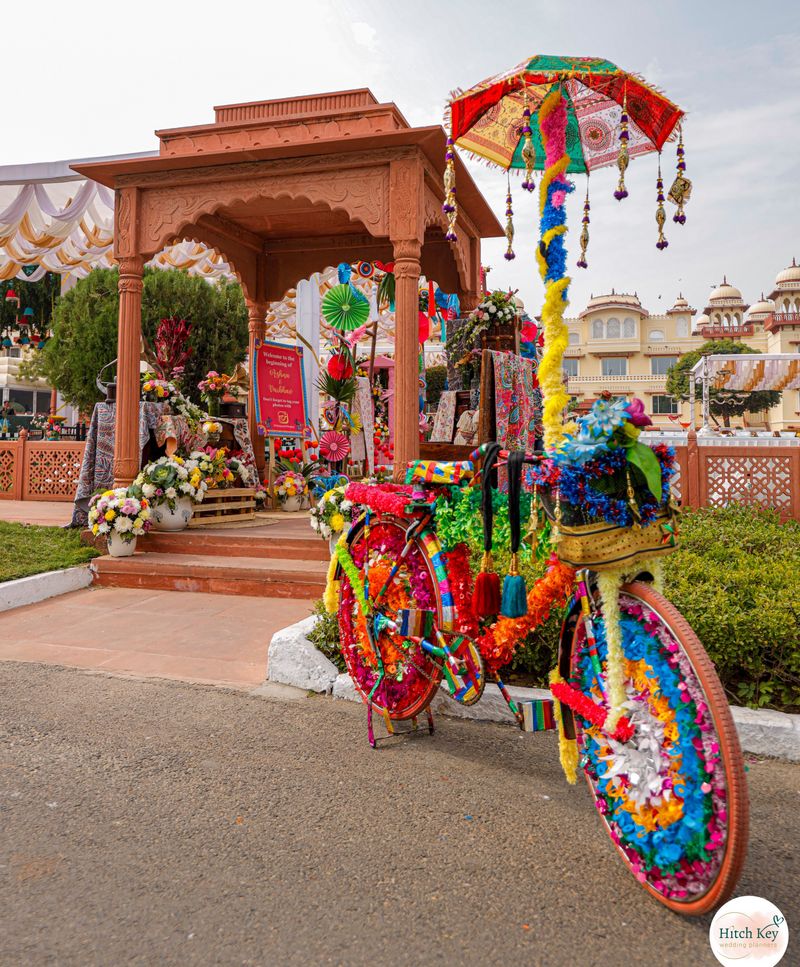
[[678, 381], [85, 329]]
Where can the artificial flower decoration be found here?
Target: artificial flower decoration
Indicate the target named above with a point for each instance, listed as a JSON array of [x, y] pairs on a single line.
[[604, 417], [637, 415], [334, 446], [345, 308], [340, 367]]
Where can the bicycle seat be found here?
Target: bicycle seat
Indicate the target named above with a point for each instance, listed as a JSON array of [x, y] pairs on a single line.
[[440, 471]]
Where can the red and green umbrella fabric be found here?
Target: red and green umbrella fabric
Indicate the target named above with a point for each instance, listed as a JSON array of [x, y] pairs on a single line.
[[488, 120]]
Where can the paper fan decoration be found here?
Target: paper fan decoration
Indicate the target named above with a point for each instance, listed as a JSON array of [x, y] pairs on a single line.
[[345, 308], [334, 446]]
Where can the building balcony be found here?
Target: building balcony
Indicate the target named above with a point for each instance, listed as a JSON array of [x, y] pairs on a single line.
[[618, 381], [614, 347], [727, 332], [777, 320]]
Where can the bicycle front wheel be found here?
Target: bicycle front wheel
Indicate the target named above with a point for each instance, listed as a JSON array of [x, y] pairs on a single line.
[[673, 798], [389, 669]]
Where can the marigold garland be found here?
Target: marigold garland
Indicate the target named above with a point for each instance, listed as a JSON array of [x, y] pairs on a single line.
[[499, 641], [350, 569]]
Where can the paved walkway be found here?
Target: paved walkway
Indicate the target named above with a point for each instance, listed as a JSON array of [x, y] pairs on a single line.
[[162, 823], [171, 634]]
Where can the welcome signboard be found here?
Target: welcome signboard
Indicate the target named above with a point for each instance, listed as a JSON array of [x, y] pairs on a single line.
[[279, 389]]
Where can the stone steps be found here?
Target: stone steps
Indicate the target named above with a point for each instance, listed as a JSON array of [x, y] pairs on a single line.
[[222, 573], [233, 544]]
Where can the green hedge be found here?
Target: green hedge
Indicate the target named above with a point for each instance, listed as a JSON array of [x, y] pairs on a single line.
[[736, 579]]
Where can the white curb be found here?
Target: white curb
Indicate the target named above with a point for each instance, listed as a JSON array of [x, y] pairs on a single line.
[[297, 662], [39, 587]]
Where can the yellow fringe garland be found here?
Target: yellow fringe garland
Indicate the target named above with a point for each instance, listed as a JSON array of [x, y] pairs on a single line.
[[551, 380], [609, 583], [330, 598], [567, 748]]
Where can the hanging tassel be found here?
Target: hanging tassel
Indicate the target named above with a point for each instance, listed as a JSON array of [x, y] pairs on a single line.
[[450, 207], [661, 215], [582, 263], [486, 595], [509, 225], [681, 189], [514, 602], [528, 150], [623, 157]]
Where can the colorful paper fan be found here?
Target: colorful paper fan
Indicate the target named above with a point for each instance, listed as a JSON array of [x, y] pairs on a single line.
[[345, 308], [334, 446]]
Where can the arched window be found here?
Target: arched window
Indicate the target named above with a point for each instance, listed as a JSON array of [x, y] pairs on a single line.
[[737, 319], [787, 305], [656, 335], [726, 321], [682, 329], [797, 305], [628, 328], [597, 329], [612, 328], [574, 339]]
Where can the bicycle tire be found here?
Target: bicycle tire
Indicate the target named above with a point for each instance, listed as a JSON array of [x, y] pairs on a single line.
[[725, 807]]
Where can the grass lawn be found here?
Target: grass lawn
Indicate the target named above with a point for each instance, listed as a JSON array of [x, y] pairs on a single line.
[[26, 549]]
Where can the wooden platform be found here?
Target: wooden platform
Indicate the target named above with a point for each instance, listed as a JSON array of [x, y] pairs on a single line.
[[231, 505], [277, 559]]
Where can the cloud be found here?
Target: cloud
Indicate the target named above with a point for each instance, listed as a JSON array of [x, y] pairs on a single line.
[[365, 35]]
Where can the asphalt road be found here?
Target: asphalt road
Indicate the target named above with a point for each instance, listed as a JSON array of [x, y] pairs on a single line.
[[161, 823]]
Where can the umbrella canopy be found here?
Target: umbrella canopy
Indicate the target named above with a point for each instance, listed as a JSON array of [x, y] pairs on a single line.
[[562, 115], [489, 118]]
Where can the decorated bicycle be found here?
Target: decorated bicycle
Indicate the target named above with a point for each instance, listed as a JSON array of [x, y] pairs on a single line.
[[636, 702]]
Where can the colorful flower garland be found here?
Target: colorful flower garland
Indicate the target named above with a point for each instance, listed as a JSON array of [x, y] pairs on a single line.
[[382, 498], [551, 257]]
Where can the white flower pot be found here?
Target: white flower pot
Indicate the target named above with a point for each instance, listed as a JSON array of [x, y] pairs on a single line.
[[117, 547], [165, 519], [291, 504]]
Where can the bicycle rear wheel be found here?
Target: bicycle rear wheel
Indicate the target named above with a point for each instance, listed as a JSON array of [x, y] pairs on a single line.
[[673, 798], [387, 668]]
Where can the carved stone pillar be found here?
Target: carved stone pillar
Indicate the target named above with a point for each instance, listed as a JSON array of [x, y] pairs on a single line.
[[127, 452], [406, 356], [256, 312]]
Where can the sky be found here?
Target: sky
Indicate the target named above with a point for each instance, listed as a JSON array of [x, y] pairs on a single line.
[[95, 78]]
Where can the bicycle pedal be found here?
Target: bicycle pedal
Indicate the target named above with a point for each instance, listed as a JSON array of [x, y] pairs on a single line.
[[537, 715]]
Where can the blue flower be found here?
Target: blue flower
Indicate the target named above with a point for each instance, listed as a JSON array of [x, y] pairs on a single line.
[[605, 416], [581, 448]]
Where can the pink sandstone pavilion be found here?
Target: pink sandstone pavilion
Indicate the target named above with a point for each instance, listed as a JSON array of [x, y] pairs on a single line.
[[281, 189]]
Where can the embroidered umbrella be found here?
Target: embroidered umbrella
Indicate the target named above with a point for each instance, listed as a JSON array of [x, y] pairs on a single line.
[[562, 115]]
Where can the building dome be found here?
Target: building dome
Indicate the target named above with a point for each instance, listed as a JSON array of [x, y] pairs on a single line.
[[789, 278], [614, 300], [760, 310], [701, 321], [725, 292], [681, 306]]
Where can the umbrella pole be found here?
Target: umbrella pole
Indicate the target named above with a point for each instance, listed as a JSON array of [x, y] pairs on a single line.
[[551, 258]]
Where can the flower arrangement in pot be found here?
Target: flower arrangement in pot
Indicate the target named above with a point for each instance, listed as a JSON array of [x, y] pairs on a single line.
[[212, 389], [156, 390], [332, 514], [119, 517], [290, 488], [172, 485], [212, 430]]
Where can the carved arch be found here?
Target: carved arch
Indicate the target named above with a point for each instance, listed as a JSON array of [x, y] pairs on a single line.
[[171, 211]]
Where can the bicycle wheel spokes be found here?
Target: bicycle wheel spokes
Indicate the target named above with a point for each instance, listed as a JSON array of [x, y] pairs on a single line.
[[673, 798], [390, 670]]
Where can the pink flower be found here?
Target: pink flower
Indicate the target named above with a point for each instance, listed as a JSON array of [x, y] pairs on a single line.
[[636, 413]]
